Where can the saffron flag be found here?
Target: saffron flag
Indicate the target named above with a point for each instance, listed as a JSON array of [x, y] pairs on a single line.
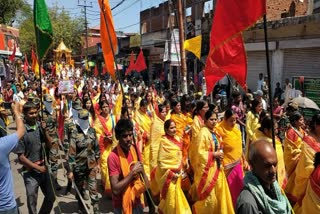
[[35, 64], [13, 55], [108, 36], [194, 45], [227, 53], [95, 72], [25, 64], [43, 27], [131, 64], [140, 64]]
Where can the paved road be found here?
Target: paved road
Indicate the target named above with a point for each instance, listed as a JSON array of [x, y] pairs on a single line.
[[67, 204]]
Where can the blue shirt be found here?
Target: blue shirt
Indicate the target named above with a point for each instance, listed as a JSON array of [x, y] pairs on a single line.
[[7, 199]]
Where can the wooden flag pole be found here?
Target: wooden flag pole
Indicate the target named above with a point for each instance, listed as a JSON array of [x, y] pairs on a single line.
[[269, 78]]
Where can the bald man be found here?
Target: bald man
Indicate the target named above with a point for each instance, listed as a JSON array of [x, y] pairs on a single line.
[[261, 192]]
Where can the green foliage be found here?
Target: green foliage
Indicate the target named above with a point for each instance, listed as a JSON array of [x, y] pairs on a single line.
[[9, 10], [65, 28]]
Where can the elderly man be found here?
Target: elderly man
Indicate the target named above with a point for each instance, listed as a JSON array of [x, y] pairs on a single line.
[[261, 192]]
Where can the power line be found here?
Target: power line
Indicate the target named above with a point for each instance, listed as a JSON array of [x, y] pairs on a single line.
[[126, 8], [128, 26]]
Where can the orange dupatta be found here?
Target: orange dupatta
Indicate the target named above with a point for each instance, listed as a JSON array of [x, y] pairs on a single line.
[[135, 188]]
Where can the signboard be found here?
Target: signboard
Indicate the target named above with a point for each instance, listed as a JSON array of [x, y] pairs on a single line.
[[310, 87], [66, 87], [135, 41], [9, 37], [175, 48]]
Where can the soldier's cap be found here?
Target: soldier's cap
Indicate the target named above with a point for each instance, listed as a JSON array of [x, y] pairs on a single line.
[[77, 104], [83, 114], [47, 98]]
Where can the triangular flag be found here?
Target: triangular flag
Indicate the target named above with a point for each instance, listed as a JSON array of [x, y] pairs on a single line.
[[13, 55], [43, 27], [131, 64], [96, 72], [108, 36], [194, 45], [140, 64], [25, 64]]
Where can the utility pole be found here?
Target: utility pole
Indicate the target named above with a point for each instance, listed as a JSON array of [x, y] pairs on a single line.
[[181, 24], [84, 5]]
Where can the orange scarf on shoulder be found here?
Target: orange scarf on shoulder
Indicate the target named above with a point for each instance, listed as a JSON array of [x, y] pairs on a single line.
[[135, 188]]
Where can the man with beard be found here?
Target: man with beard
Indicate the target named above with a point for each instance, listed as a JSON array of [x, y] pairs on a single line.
[[32, 153]]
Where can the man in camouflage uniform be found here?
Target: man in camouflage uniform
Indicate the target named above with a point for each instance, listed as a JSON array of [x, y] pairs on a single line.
[[50, 117], [69, 125], [84, 155]]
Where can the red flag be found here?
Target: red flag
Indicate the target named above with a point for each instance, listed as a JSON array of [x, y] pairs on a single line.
[[25, 64], [131, 64], [140, 64], [61, 124], [96, 72], [227, 54], [104, 70], [43, 72], [13, 55], [53, 70]]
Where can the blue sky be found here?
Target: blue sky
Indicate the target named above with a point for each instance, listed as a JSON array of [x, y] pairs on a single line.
[[126, 17]]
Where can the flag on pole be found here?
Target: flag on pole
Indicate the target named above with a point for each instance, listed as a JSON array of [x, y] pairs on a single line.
[[140, 64], [43, 28], [95, 72], [35, 64], [131, 64], [25, 64], [227, 54], [13, 55], [108, 36], [194, 45]]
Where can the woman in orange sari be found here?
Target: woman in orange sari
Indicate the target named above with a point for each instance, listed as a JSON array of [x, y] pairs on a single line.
[[233, 160], [292, 150], [265, 132], [157, 131], [210, 189], [169, 172], [305, 165], [145, 120], [104, 126]]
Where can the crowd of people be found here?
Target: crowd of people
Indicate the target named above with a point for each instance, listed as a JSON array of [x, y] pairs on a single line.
[[187, 152]]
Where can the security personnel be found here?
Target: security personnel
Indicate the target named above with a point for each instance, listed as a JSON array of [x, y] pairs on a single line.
[[50, 117], [69, 125], [84, 155]]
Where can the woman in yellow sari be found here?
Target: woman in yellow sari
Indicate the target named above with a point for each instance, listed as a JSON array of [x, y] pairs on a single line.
[[104, 126], [145, 120], [210, 189], [292, 151], [183, 124], [252, 122], [169, 173], [311, 200], [305, 165], [265, 132], [157, 131], [233, 160]]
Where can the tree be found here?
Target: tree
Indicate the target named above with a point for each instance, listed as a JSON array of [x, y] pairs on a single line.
[[9, 10], [65, 28]]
